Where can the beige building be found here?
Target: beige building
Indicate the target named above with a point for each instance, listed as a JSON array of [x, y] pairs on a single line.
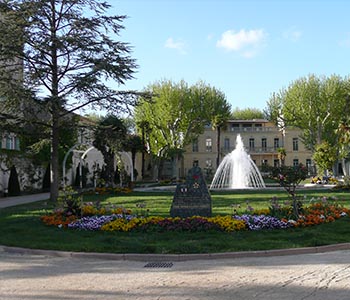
[[261, 140]]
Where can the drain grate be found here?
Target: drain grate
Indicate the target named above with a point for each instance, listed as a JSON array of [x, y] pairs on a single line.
[[159, 265]]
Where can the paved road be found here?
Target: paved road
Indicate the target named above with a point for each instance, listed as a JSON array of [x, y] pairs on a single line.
[[298, 277]]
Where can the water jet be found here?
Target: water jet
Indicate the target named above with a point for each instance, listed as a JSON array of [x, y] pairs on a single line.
[[237, 170]]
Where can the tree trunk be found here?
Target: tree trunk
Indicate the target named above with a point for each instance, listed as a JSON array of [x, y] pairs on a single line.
[[109, 158], [344, 167], [133, 158], [174, 174], [55, 111], [143, 154], [218, 146], [54, 186], [156, 167]]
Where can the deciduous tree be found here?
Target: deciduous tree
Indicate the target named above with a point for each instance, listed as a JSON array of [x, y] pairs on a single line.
[[247, 114], [315, 105], [177, 114], [218, 112], [289, 177], [325, 156], [174, 118]]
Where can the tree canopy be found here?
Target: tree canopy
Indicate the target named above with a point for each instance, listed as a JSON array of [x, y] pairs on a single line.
[[325, 156], [247, 114], [313, 104], [61, 53], [109, 137], [316, 105], [177, 114]]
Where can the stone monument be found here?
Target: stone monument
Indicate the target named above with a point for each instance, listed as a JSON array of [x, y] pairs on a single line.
[[192, 198]]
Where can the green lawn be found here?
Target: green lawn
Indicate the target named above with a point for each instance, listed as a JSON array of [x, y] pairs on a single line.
[[21, 226]]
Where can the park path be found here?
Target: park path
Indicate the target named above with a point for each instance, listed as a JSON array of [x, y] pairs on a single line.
[[298, 277], [17, 200], [305, 275]]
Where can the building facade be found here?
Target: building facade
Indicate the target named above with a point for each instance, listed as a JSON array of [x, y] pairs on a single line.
[[261, 139], [82, 158]]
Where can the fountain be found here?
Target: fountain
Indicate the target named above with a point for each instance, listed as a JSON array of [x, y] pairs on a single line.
[[237, 170]]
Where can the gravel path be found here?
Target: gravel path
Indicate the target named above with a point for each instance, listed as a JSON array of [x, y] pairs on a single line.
[[305, 276]]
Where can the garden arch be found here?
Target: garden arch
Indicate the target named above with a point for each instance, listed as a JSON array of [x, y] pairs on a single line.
[[84, 154]]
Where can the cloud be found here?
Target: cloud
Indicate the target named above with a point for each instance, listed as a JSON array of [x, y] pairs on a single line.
[[177, 45], [292, 34], [245, 42]]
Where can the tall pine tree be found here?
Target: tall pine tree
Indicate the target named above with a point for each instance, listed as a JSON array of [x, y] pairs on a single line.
[[67, 52]]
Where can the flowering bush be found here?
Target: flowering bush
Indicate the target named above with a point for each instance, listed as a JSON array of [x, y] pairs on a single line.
[[69, 201], [111, 218], [196, 223], [91, 209], [91, 223], [121, 224], [258, 222], [110, 190], [58, 218], [318, 213], [289, 178]]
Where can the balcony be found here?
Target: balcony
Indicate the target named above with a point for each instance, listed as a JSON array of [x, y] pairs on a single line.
[[253, 129], [255, 150]]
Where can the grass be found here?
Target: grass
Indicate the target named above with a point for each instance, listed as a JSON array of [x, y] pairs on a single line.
[[21, 226]]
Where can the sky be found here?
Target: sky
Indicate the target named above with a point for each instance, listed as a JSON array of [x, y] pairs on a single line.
[[247, 49]]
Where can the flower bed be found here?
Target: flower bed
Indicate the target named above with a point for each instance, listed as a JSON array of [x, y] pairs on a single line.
[[110, 218]]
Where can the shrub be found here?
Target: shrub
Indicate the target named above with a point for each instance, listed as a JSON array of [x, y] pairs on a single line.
[[13, 184]]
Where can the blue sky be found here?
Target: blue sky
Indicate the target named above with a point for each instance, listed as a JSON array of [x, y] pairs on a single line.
[[247, 49]]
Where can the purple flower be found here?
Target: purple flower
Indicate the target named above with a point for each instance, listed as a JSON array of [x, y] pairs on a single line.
[[255, 222], [96, 222]]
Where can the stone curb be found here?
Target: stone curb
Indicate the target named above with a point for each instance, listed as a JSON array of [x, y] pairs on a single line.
[[177, 257]]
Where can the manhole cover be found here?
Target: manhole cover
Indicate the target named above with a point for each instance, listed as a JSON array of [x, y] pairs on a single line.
[[159, 265]]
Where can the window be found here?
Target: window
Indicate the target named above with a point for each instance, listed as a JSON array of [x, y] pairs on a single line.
[[208, 145], [258, 127], [264, 162], [195, 145], [234, 127], [16, 143], [208, 163], [276, 162], [227, 144], [195, 163], [12, 142], [295, 162], [295, 144], [263, 144], [247, 127], [9, 142], [276, 143], [251, 144], [308, 163]]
